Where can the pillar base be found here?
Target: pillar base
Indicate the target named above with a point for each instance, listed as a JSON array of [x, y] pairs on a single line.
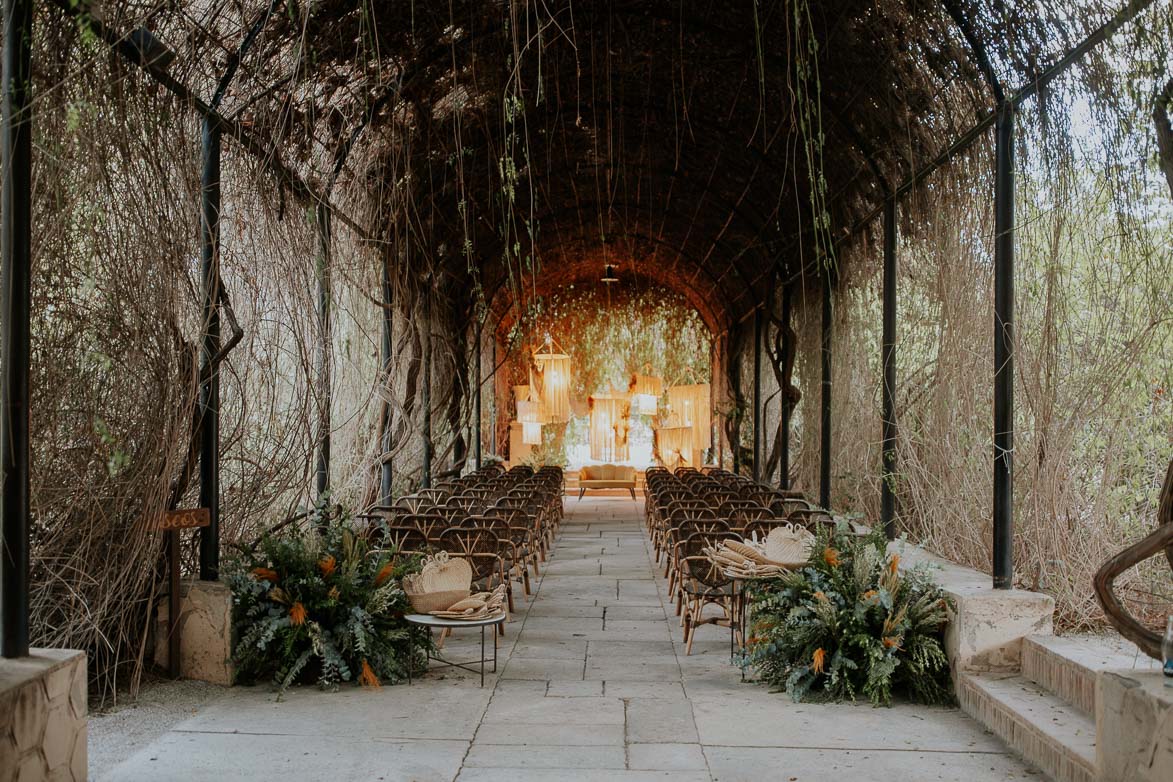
[[205, 633], [43, 708]]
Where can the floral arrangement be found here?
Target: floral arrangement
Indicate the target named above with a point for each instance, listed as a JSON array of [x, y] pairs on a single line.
[[850, 623], [320, 604]]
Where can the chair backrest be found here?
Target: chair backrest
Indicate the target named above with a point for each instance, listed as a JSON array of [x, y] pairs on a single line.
[[697, 565], [413, 502], [435, 496], [479, 545], [430, 524], [465, 502], [784, 507], [812, 519], [694, 526], [758, 529], [404, 540], [679, 514]]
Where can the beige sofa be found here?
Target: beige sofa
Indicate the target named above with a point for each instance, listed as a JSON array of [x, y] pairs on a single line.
[[606, 476]]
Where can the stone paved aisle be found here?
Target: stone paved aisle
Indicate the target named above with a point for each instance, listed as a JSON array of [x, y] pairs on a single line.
[[594, 685]]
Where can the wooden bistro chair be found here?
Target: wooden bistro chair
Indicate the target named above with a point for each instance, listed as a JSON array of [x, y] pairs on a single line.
[[680, 533], [482, 548], [703, 583], [511, 553]]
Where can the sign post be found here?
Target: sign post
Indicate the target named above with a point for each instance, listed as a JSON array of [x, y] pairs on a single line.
[[171, 523]]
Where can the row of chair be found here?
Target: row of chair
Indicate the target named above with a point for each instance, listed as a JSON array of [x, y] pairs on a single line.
[[690, 510], [502, 522]]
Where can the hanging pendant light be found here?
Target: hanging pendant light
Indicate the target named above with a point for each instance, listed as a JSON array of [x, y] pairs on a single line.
[[553, 370], [645, 393]]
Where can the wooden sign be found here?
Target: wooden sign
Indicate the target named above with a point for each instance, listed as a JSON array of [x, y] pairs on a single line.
[[187, 518]]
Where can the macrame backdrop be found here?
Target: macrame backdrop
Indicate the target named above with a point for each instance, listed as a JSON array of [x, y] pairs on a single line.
[[610, 421]]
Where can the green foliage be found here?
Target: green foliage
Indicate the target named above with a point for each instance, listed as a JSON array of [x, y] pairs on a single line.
[[310, 605], [851, 624]]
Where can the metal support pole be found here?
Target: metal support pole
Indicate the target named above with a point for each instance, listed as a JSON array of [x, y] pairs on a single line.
[[888, 360], [15, 265], [476, 428], [386, 471], [322, 483], [784, 412], [825, 433], [493, 408], [757, 394], [210, 390], [426, 395], [1004, 349]]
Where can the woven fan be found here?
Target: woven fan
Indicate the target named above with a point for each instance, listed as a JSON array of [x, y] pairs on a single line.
[[442, 581], [789, 545], [479, 606]]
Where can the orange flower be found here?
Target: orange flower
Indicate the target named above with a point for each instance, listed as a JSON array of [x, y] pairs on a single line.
[[894, 564], [821, 596], [831, 556], [367, 677], [297, 614], [333, 593], [384, 573], [868, 595], [265, 574], [891, 641], [327, 566], [818, 659]]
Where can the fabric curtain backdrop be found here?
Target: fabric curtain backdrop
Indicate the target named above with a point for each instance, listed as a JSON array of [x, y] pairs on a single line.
[[553, 381], [531, 433], [690, 407], [674, 446], [610, 414], [646, 391]]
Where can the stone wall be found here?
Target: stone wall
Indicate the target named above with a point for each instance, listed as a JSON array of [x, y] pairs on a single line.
[[43, 707]]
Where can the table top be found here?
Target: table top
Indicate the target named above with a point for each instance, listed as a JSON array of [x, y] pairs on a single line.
[[427, 620]]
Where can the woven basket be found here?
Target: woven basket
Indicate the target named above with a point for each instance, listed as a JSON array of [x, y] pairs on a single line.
[[789, 545], [441, 582]]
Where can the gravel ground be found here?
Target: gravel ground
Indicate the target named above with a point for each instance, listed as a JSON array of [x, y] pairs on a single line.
[[116, 734]]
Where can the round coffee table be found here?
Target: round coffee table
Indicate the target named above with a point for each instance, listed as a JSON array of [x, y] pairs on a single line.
[[435, 622]]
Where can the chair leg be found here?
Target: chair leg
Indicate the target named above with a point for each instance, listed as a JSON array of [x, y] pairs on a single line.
[[692, 629]]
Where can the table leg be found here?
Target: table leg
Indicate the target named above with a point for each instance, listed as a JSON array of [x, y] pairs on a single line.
[[483, 653], [494, 652]]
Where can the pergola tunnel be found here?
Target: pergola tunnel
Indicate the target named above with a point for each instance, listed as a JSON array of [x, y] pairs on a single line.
[[280, 270]]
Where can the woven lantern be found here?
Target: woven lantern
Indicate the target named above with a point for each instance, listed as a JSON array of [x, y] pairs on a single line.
[[553, 381], [645, 393], [690, 406], [609, 425]]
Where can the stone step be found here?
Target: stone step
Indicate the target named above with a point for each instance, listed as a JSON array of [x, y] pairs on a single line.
[[1067, 665], [1046, 730]]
